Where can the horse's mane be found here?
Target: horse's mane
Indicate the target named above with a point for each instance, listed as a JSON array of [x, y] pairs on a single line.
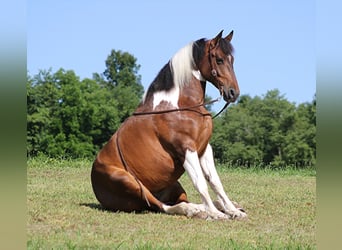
[[176, 73], [182, 65], [179, 70]]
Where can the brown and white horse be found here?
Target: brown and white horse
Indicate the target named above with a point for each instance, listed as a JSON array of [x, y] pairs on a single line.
[[138, 169]]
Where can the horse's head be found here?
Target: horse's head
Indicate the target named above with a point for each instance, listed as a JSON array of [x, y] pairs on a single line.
[[216, 66]]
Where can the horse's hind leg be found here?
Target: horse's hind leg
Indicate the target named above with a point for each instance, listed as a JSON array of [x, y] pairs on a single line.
[[173, 194], [116, 189]]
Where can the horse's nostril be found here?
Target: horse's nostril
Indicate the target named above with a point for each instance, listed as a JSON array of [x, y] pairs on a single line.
[[231, 93]]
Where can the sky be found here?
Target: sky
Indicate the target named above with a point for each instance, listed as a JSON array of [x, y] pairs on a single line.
[[274, 41]]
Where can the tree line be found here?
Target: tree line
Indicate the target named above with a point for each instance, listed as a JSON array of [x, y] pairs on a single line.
[[72, 117]]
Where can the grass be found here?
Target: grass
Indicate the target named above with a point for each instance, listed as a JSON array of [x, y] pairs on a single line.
[[64, 214]]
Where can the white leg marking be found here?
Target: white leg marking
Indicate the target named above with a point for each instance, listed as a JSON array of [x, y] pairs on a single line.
[[193, 168], [209, 170], [170, 96], [184, 208]]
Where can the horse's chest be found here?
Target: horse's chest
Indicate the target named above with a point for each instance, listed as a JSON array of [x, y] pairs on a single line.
[[189, 133], [204, 135]]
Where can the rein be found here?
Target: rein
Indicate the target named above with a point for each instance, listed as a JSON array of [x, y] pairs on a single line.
[[191, 108]]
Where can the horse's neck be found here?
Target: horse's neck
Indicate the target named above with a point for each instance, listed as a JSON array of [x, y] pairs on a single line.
[[192, 94]]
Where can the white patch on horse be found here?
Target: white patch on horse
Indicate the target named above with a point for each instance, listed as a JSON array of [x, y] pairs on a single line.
[[193, 168], [184, 208], [170, 96], [182, 67], [209, 170], [197, 74]]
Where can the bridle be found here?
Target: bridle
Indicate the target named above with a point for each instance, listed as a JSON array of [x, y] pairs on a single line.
[[214, 74], [193, 108]]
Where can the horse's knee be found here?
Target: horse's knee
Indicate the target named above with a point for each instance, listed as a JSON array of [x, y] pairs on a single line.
[[118, 190]]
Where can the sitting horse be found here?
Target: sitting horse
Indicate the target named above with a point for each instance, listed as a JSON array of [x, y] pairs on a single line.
[[139, 167]]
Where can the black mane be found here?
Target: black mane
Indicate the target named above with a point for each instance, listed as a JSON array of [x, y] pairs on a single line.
[[163, 81], [198, 50]]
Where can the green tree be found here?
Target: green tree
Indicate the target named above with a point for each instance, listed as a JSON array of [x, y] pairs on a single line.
[[277, 116], [42, 101], [122, 80], [301, 147], [70, 117], [237, 137], [66, 116], [266, 131]]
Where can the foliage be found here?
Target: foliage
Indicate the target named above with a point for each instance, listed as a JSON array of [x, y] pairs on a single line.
[[123, 81], [266, 131], [69, 117], [73, 118]]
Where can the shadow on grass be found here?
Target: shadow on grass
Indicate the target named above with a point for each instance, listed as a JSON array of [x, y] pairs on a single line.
[[98, 207], [95, 206]]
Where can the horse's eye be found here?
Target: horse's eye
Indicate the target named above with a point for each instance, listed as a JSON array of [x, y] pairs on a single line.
[[219, 61]]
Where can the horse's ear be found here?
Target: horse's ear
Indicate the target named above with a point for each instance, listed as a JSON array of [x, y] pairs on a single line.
[[230, 36], [214, 42]]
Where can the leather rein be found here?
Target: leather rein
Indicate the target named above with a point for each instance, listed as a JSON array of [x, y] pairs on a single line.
[[190, 108]]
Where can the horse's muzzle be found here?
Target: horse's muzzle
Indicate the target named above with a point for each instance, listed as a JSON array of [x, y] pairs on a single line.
[[230, 94]]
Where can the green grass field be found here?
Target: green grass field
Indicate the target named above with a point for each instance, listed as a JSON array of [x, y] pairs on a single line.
[[64, 214]]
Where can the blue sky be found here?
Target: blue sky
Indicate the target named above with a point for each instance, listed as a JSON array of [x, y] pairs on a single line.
[[274, 40]]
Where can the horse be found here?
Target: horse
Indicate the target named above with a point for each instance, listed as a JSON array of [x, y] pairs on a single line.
[[139, 167]]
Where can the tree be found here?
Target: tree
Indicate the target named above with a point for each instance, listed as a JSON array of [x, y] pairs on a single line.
[[70, 117], [66, 116], [269, 131], [42, 101], [301, 146], [122, 79]]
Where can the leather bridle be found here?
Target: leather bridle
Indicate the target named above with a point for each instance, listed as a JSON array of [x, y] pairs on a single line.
[[193, 108]]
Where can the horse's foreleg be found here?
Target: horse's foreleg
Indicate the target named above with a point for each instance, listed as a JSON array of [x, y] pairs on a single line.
[[193, 168], [209, 170]]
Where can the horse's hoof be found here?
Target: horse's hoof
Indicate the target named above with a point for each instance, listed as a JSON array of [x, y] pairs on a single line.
[[238, 215], [238, 206]]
